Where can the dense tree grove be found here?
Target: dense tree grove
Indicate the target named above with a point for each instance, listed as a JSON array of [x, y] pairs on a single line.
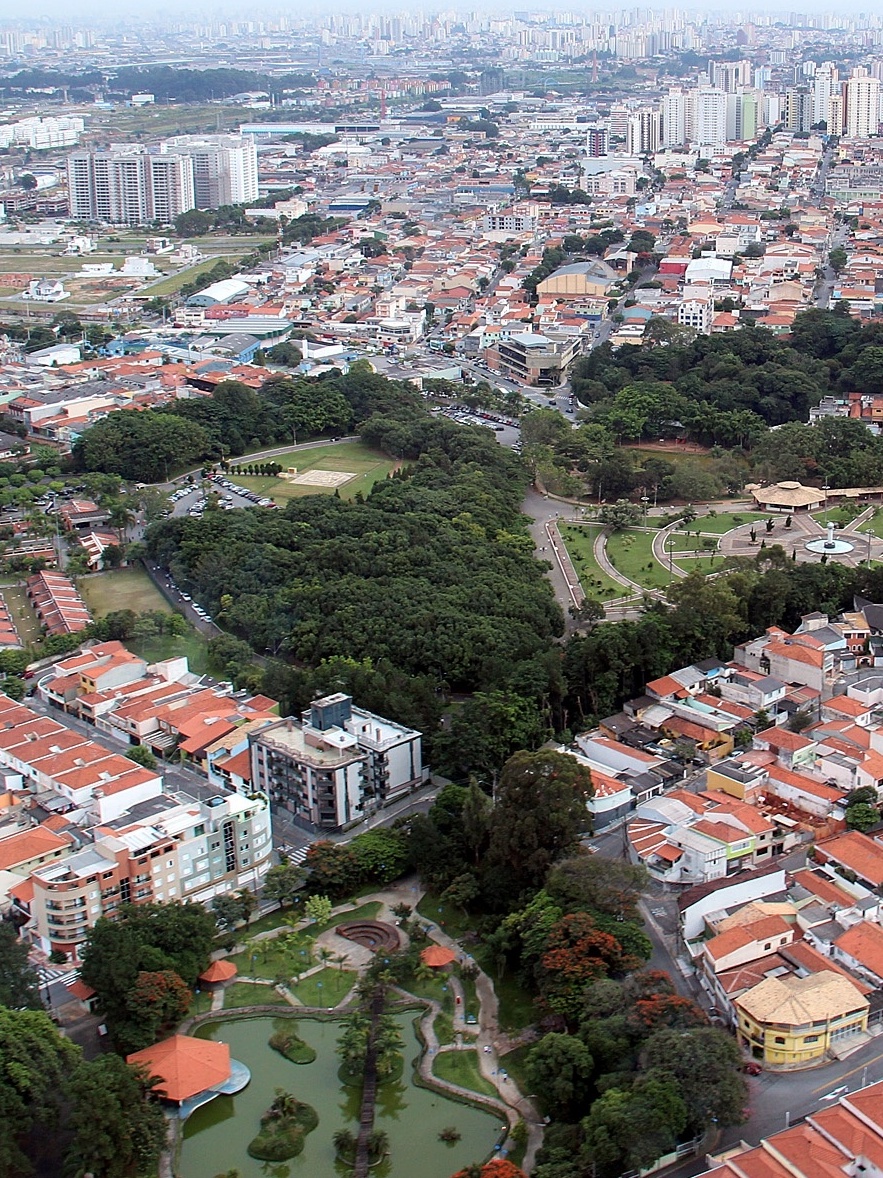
[[149, 446], [432, 575], [724, 390], [61, 1114], [143, 965]]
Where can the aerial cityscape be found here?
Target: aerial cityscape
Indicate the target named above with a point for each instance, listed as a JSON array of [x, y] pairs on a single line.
[[441, 593]]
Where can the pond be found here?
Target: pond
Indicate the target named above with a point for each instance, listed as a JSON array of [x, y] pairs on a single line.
[[216, 1136]]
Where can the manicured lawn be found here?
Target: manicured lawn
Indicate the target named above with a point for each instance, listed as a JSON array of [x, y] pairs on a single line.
[[703, 564], [631, 554], [367, 465], [252, 994], [264, 924], [461, 1067], [436, 988], [675, 457], [444, 1028], [166, 646], [841, 516], [273, 957], [360, 912], [725, 521], [686, 542], [325, 988], [578, 541], [874, 525], [451, 919], [119, 589], [470, 997]]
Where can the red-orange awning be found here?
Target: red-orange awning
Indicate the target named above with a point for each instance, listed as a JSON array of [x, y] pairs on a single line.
[[437, 955], [184, 1066], [218, 971]]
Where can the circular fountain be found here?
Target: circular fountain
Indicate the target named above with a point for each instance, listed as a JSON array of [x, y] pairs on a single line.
[[829, 546]]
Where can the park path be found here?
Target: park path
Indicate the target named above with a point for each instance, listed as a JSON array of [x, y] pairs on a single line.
[[490, 1041]]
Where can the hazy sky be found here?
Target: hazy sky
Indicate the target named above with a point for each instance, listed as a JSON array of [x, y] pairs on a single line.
[[60, 11]]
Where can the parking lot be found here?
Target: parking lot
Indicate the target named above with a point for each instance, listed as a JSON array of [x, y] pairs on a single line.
[[190, 499]]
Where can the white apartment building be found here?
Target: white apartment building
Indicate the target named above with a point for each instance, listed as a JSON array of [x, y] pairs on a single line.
[[861, 105], [42, 134], [673, 108], [644, 133], [225, 167], [696, 116], [125, 185], [826, 83], [709, 124], [696, 313], [335, 765]]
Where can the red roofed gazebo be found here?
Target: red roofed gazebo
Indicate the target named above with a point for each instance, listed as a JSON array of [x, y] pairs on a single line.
[[437, 956], [185, 1066], [218, 972]]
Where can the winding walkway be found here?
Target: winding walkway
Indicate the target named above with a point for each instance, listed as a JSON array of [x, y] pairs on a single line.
[[489, 1040]]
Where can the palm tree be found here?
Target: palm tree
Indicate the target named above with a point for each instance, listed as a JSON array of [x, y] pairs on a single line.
[[344, 1141], [285, 1104], [325, 955], [378, 1143], [120, 516]]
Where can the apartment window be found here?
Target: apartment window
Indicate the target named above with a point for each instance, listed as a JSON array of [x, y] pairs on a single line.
[[811, 1039], [779, 1039]]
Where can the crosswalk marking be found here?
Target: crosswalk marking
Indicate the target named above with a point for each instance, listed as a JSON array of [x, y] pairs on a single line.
[[49, 976]]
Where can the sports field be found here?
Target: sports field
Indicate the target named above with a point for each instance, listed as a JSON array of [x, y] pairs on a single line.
[[365, 466]]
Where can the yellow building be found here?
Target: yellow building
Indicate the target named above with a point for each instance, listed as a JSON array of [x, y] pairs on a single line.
[[579, 280], [793, 1022]]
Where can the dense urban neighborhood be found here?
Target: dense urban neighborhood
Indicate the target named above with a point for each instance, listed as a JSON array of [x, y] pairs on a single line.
[[441, 594]]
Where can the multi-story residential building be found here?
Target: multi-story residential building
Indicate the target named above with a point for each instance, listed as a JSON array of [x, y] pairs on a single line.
[[709, 123], [798, 108], [825, 84], [596, 142], [225, 167], [697, 314], [644, 135], [335, 765], [160, 850], [125, 185], [512, 220], [861, 104], [743, 115], [674, 111]]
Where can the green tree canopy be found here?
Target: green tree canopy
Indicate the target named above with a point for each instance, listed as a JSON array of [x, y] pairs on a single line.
[[18, 979]]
